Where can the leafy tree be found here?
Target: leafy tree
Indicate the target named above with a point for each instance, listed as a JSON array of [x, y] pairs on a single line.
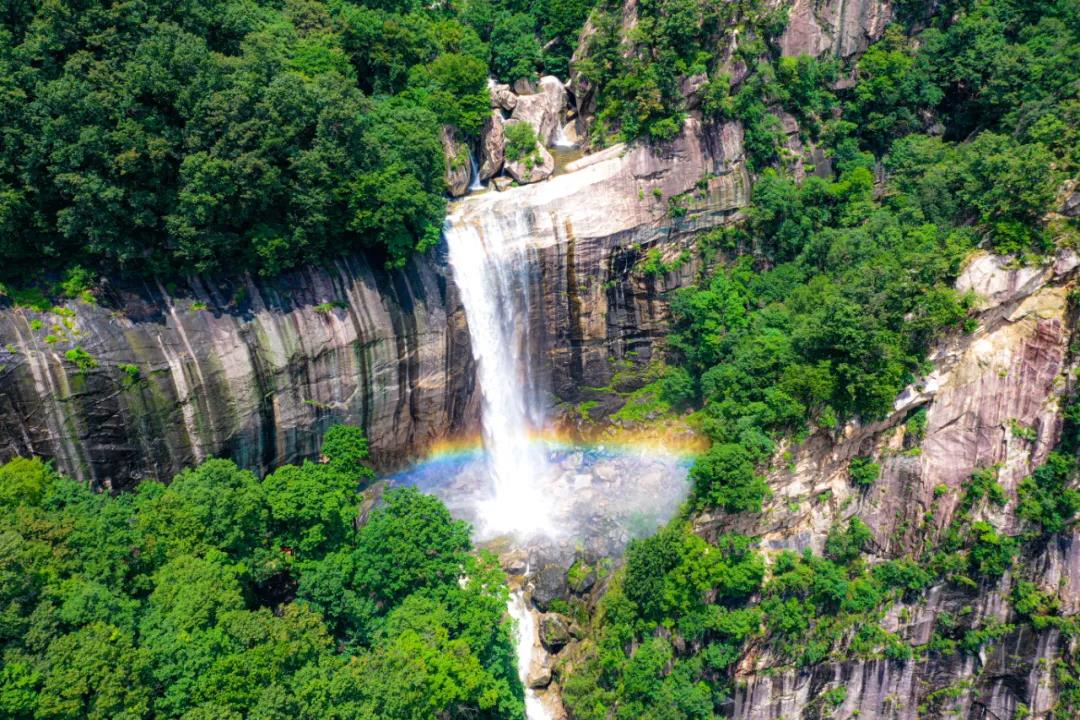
[[725, 477]]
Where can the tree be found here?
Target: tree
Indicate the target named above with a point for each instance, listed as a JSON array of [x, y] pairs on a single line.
[[725, 477]]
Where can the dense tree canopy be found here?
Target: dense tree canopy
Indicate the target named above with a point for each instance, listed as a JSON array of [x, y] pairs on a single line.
[[178, 601], [204, 135]]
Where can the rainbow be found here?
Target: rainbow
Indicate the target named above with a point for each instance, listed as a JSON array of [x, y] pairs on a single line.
[[679, 443]]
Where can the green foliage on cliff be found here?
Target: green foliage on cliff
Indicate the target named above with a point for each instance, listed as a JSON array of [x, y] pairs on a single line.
[[223, 596], [835, 287], [839, 283]]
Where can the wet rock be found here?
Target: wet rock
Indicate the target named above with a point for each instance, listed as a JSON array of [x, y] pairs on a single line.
[[492, 146], [549, 584], [581, 579], [570, 134], [554, 631], [539, 678], [502, 183], [544, 110], [458, 167], [516, 563]]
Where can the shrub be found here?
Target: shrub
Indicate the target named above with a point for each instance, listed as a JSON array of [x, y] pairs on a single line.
[[82, 359], [863, 472], [725, 477], [520, 142]]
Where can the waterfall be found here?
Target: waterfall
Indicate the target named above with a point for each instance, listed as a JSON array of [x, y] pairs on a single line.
[[491, 271], [474, 173], [525, 627]]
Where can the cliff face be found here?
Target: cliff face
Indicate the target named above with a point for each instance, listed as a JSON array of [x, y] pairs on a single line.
[[255, 371], [586, 232], [838, 27], [991, 400], [250, 370]]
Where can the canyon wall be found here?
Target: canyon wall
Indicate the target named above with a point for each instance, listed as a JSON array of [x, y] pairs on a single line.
[[152, 379], [992, 400], [587, 232]]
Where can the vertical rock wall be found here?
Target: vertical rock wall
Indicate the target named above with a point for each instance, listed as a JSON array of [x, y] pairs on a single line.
[[587, 230], [250, 370]]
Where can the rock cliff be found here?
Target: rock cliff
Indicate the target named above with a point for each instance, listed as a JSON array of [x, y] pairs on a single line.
[[153, 379], [255, 370], [588, 229], [992, 399]]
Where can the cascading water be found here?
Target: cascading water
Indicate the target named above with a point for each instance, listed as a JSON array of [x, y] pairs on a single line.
[[527, 641], [474, 173], [492, 273]]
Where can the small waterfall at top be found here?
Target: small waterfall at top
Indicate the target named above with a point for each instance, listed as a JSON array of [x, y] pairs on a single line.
[[474, 176], [491, 271]]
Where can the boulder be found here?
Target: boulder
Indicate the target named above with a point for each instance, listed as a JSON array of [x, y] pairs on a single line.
[[458, 167], [534, 167], [524, 86], [581, 579], [492, 146], [554, 632], [539, 678], [549, 584], [544, 110], [502, 97], [690, 87], [502, 183]]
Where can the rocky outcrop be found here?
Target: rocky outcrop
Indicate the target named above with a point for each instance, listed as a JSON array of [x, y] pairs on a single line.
[[492, 146], [840, 27], [992, 400], [458, 166], [586, 231], [247, 369], [535, 166], [544, 110], [502, 97]]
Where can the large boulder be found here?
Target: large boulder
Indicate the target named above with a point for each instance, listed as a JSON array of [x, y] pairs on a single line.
[[458, 167], [549, 584], [544, 110], [554, 632], [534, 167], [503, 98], [492, 146]]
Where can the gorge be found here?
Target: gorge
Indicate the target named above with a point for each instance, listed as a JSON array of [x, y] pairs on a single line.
[[608, 360]]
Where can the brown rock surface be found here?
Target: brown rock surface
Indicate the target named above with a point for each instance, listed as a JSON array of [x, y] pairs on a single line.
[[544, 110], [840, 27], [492, 146]]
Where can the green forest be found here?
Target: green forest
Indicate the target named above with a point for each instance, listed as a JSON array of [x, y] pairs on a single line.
[[165, 138], [834, 290], [221, 596]]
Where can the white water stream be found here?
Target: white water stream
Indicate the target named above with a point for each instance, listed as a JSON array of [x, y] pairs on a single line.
[[527, 641], [492, 274]]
